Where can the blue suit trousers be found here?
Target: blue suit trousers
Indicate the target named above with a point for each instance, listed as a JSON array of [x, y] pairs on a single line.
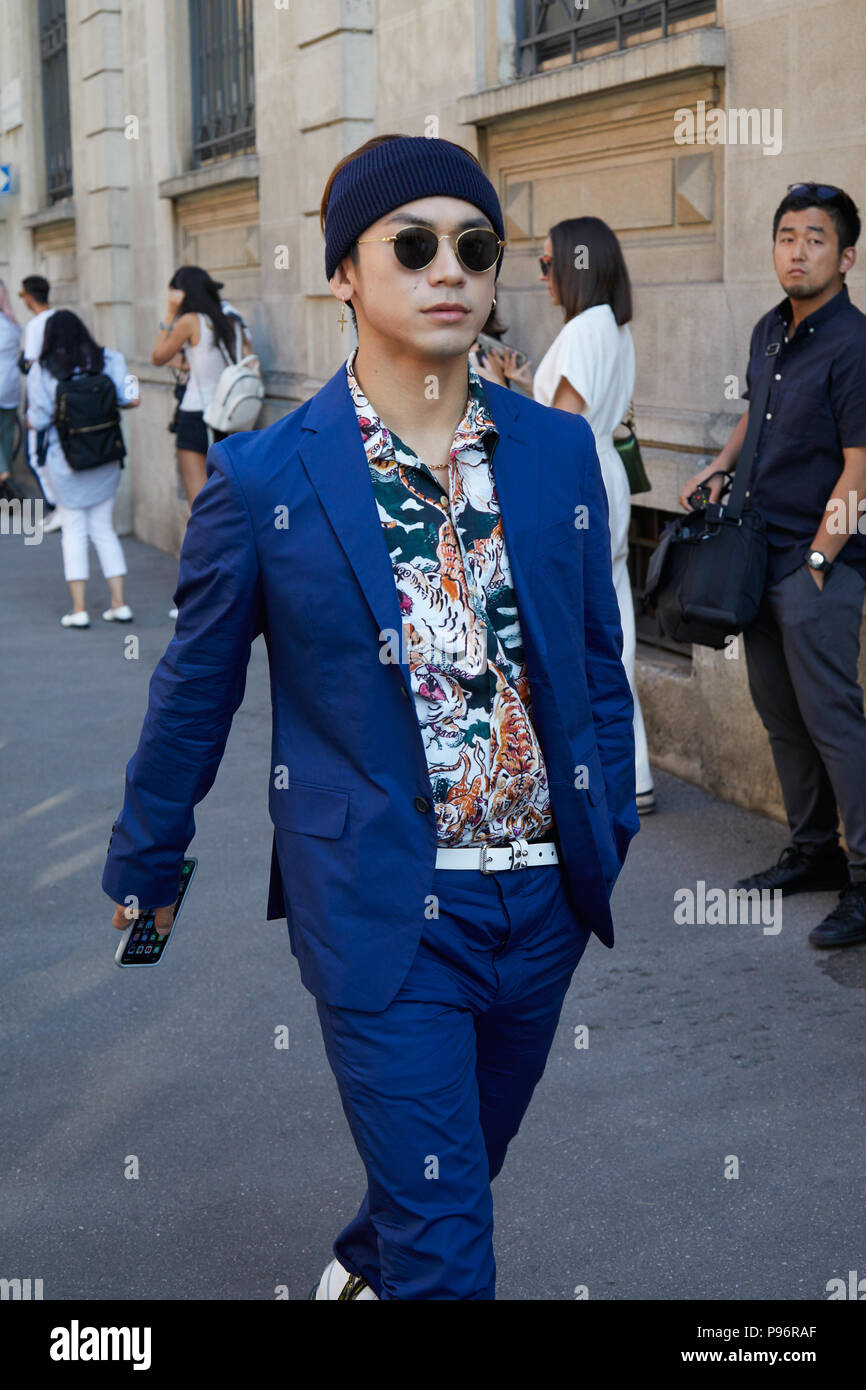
[[435, 1086]]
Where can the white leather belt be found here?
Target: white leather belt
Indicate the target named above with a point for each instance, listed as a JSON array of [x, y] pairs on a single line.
[[517, 854]]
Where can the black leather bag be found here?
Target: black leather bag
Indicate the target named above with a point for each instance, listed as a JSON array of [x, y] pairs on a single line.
[[707, 574]]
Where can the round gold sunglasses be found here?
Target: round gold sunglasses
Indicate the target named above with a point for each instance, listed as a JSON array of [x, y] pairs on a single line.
[[415, 247]]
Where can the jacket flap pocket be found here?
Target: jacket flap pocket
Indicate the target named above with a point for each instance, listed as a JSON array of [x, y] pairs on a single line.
[[596, 789], [308, 809]]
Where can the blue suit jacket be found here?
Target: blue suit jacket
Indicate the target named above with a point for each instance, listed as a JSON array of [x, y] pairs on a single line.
[[355, 831]]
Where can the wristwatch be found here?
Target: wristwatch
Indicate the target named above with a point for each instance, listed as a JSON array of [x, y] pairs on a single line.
[[816, 560]]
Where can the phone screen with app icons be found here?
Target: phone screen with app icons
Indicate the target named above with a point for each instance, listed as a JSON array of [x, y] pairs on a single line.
[[142, 944]]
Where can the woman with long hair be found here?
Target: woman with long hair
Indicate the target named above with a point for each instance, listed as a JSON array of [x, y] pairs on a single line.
[[85, 497], [197, 325], [10, 385], [199, 337], [589, 369]]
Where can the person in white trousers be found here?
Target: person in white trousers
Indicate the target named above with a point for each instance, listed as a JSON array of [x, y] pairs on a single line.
[[85, 499], [590, 369]]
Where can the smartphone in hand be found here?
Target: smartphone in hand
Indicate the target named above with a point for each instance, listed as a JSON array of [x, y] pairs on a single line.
[[141, 943], [487, 343]]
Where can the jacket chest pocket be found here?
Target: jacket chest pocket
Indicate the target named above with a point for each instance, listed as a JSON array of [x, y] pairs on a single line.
[[557, 580], [556, 538]]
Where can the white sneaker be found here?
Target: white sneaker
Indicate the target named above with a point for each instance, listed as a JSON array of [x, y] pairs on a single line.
[[118, 615], [337, 1283], [75, 620], [52, 524], [172, 612]]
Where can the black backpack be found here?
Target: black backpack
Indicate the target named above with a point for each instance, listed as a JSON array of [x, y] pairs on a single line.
[[88, 420]]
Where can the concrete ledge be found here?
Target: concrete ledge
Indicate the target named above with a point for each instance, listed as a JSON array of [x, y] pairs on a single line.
[[64, 211], [280, 385], [237, 170], [691, 51]]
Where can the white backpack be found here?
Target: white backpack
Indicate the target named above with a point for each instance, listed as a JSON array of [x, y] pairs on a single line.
[[237, 400]]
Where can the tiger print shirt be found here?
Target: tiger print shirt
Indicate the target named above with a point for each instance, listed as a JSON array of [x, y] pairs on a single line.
[[461, 631]]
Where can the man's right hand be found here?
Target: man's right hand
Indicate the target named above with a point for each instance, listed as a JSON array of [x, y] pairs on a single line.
[[162, 921], [694, 482]]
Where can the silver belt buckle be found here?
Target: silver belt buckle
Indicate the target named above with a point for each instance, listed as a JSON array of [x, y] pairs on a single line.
[[482, 864], [519, 856]]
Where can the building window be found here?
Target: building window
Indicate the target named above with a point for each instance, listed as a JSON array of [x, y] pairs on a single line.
[[647, 524], [55, 100], [223, 93], [554, 33]]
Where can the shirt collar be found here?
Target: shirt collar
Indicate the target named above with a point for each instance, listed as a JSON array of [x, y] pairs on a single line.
[[477, 420], [785, 311]]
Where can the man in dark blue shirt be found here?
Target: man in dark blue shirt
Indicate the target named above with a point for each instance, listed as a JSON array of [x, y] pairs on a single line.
[[809, 483]]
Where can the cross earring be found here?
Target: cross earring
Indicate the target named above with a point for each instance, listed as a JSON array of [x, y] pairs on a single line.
[[493, 305], [342, 320]]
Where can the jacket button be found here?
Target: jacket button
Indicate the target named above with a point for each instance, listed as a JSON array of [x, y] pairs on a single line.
[[404, 692], [421, 803]]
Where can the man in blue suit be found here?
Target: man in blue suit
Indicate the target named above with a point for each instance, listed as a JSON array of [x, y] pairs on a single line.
[[452, 780]]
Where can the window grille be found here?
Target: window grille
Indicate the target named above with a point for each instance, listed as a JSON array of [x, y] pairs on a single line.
[[647, 524], [223, 91], [55, 100], [551, 30]]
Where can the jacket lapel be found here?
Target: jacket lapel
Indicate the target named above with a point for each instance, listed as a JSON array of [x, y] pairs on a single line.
[[333, 454], [517, 473]]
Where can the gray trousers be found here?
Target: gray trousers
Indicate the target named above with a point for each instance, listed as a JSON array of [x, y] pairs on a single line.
[[802, 653]]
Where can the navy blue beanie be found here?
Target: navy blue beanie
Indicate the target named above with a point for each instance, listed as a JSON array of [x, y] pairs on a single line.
[[390, 174]]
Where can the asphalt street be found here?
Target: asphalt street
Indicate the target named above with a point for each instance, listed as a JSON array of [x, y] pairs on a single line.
[[706, 1043]]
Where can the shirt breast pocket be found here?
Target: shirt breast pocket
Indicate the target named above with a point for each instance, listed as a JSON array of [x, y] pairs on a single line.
[[801, 413]]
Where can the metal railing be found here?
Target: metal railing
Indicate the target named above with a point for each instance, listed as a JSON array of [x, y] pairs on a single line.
[[223, 90], [55, 99], [551, 29], [645, 528]]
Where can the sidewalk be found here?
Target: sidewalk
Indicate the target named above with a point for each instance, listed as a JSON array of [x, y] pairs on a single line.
[[705, 1041]]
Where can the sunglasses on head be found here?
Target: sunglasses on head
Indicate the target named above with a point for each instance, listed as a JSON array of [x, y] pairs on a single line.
[[415, 247], [820, 190]]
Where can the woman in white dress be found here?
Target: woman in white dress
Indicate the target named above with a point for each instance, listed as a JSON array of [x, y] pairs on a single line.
[[589, 369], [85, 499]]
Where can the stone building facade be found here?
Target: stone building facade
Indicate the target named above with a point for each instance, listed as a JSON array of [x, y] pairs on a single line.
[[180, 152]]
